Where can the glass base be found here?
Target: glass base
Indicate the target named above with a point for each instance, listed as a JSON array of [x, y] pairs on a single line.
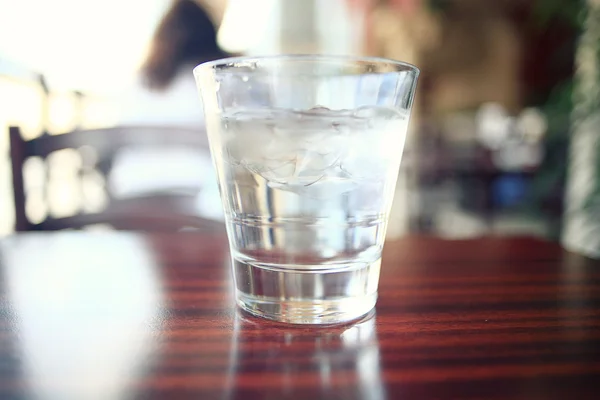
[[301, 295]]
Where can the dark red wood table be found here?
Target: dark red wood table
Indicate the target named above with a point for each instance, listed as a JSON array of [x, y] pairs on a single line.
[[126, 316]]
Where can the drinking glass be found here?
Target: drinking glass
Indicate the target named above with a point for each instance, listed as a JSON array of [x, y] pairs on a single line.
[[307, 151]]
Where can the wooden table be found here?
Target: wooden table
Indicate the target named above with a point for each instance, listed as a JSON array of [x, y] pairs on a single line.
[[122, 316]]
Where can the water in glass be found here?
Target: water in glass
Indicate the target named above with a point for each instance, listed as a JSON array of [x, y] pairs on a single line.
[[306, 196]]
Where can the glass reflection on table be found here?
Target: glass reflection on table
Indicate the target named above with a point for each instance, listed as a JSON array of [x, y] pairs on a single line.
[[272, 360]]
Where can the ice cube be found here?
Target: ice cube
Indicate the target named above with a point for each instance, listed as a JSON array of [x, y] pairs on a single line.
[[322, 187], [301, 151], [374, 151], [274, 170]]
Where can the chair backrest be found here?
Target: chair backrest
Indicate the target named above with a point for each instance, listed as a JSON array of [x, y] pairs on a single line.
[[105, 143]]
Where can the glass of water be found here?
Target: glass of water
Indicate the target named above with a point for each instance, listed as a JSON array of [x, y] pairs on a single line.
[[307, 151]]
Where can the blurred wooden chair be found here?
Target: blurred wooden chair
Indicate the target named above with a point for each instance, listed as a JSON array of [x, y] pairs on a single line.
[[149, 211]]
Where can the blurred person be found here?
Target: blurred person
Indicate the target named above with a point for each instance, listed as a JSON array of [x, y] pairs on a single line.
[[402, 29], [468, 50], [479, 59], [469, 54], [165, 93]]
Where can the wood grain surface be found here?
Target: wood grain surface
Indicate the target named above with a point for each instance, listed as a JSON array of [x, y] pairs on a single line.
[[125, 316]]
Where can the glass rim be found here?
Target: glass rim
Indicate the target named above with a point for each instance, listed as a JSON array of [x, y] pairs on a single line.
[[208, 65]]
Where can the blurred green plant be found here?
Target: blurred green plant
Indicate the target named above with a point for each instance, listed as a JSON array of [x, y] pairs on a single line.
[[559, 107], [582, 222], [438, 5], [546, 12], [586, 94], [575, 102]]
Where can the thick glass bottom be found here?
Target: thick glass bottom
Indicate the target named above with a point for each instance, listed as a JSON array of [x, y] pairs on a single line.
[[301, 294]]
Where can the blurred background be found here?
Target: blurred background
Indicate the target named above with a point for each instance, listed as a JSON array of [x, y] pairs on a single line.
[[486, 155]]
